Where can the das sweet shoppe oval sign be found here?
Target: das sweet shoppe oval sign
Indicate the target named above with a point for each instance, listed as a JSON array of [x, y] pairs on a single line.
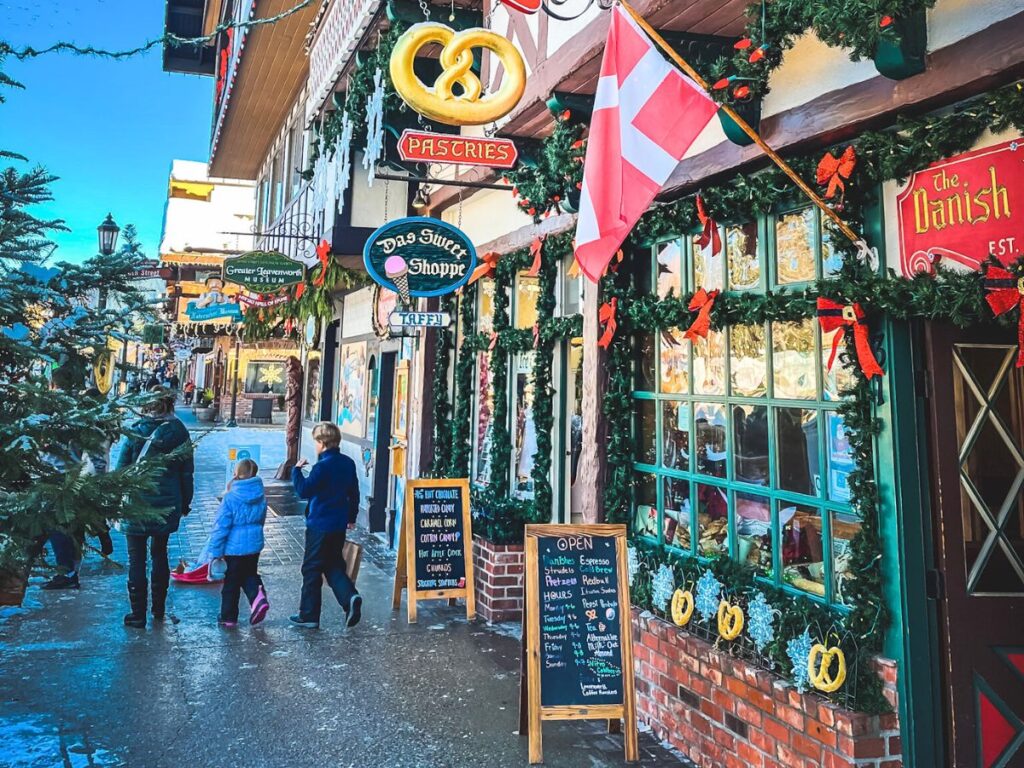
[[419, 257]]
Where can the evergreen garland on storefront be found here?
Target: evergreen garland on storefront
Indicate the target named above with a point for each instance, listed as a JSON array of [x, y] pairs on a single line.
[[441, 406], [462, 424]]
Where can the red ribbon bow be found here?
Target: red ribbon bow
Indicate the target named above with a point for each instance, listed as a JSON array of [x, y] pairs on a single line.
[[299, 290], [536, 335], [486, 268], [536, 247], [323, 254], [494, 340], [1004, 291], [702, 303], [606, 317], [709, 234], [833, 316], [832, 170]]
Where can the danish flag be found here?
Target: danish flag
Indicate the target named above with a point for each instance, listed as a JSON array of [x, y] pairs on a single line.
[[647, 114]]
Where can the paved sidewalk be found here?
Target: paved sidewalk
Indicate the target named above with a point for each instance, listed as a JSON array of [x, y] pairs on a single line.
[[78, 689]]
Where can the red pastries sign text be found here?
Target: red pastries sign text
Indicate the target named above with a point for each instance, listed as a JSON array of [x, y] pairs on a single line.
[[963, 209], [424, 147]]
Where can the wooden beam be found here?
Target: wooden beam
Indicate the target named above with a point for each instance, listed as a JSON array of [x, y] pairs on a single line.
[[522, 237], [979, 62]]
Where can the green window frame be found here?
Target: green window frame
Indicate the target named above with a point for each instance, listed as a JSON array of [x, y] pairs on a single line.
[[739, 447]]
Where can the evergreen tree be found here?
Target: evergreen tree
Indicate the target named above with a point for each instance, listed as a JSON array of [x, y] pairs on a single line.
[[51, 331]]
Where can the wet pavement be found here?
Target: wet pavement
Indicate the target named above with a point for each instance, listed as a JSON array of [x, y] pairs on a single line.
[[79, 689]]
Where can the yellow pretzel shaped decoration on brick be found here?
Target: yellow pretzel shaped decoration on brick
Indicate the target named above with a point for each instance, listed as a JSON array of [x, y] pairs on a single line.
[[821, 676], [440, 102], [682, 607], [730, 620]]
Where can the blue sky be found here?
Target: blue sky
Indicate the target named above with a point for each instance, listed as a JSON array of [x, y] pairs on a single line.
[[108, 129]]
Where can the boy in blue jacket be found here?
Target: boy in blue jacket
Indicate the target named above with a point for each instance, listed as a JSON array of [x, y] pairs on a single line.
[[332, 490], [237, 536]]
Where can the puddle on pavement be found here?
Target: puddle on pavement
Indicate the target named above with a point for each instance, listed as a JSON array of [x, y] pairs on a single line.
[[34, 742]]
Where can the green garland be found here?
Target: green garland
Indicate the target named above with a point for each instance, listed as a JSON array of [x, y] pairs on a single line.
[[552, 184], [856, 25], [462, 424], [441, 406]]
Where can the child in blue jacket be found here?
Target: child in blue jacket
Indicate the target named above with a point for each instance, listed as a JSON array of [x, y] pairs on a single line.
[[238, 537]]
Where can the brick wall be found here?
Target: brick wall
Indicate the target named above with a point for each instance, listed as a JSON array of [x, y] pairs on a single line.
[[723, 712], [498, 575], [243, 407]]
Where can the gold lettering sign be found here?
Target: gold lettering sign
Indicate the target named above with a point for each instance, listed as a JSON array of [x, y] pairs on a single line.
[[440, 102]]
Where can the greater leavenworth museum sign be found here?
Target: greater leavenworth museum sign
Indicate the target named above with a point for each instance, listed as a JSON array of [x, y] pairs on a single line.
[[264, 271], [964, 209], [419, 257]]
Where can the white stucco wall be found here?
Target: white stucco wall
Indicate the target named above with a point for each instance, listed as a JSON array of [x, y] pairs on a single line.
[[201, 224]]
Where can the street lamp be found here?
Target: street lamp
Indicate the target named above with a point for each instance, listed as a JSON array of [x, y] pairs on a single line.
[[108, 232]]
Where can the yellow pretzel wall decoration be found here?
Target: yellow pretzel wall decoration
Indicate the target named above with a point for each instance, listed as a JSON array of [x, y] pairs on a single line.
[[682, 607], [103, 371], [730, 620], [821, 676], [439, 102]]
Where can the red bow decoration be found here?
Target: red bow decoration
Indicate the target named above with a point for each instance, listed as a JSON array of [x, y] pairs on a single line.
[[613, 265], [289, 324], [832, 170], [323, 254], [486, 268], [494, 341], [709, 234], [606, 317], [833, 316], [299, 290], [1003, 292], [536, 335], [536, 247], [702, 303]]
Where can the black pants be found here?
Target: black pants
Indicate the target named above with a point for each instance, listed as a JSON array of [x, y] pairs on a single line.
[[324, 559], [160, 573], [242, 575]]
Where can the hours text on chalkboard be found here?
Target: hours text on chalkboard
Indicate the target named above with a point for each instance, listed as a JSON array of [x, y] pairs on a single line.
[[580, 621]]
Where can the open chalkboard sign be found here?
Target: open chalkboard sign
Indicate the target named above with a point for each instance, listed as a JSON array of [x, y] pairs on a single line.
[[435, 548], [578, 649]]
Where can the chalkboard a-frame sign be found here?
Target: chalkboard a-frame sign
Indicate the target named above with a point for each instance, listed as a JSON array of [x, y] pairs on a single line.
[[577, 635], [435, 546]]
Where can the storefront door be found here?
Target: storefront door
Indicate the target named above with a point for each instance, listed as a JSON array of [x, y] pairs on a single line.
[[572, 429], [977, 444]]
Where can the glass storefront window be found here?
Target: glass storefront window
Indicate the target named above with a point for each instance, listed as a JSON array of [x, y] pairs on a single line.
[[525, 301], [312, 399], [265, 377], [483, 433], [669, 269], [795, 253], [739, 448], [708, 268], [572, 288], [485, 306], [524, 431]]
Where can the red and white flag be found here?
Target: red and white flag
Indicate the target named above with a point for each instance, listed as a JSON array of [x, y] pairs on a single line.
[[646, 116]]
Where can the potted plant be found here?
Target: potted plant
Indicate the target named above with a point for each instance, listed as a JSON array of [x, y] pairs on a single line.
[[205, 410]]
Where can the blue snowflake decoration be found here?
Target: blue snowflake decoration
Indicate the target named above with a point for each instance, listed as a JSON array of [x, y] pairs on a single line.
[[662, 587], [799, 650], [375, 127], [634, 564], [760, 621], [709, 593]]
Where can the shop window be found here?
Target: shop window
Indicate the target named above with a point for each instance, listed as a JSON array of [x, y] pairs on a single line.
[[276, 188], [293, 172], [312, 399], [524, 307], [485, 306], [739, 448], [572, 287], [373, 375], [524, 431], [483, 432], [265, 377]]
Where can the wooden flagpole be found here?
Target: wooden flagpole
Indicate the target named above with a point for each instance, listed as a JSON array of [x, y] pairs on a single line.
[[747, 129]]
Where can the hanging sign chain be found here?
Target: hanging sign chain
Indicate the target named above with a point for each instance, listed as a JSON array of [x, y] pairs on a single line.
[[425, 7]]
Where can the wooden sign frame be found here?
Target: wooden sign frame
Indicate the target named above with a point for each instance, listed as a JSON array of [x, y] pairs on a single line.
[[531, 713], [405, 572]]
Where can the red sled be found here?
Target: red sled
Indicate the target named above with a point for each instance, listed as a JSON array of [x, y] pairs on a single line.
[[198, 575], [523, 6]]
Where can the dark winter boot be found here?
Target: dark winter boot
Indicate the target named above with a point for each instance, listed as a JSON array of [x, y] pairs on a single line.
[[159, 602], [137, 618]]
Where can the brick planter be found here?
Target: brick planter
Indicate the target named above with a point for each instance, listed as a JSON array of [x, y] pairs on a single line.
[[722, 711], [498, 574]]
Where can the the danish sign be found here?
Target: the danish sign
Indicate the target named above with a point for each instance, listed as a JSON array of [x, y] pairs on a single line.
[[425, 147], [419, 257], [964, 209], [523, 6]]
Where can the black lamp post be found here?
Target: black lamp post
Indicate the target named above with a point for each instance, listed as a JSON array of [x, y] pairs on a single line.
[[108, 232]]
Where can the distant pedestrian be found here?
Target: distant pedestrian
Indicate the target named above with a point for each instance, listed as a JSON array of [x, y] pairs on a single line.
[[158, 433], [189, 391], [152, 382], [237, 536], [332, 490], [174, 381]]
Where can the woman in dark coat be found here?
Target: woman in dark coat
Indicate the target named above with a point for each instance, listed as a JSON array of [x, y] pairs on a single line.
[[157, 433]]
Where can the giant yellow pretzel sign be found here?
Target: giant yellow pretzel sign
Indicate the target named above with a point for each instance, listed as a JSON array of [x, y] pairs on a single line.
[[439, 102]]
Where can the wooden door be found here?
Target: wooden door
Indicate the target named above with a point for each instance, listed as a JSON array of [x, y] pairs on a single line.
[[977, 448]]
